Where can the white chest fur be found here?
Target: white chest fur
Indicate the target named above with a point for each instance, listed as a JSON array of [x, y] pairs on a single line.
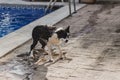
[[54, 40]]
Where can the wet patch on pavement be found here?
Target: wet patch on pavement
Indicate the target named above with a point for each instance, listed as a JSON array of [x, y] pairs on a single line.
[[22, 68]]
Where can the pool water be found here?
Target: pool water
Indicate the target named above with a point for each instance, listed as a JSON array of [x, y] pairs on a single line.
[[14, 17]]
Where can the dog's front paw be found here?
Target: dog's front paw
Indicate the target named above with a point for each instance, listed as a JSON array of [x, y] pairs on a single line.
[[42, 60]]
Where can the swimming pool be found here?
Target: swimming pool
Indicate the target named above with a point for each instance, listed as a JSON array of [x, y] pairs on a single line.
[[13, 17]]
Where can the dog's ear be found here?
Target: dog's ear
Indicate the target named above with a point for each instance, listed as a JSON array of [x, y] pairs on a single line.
[[67, 29]]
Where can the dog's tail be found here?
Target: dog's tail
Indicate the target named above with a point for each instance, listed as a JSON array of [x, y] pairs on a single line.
[[52, 28]]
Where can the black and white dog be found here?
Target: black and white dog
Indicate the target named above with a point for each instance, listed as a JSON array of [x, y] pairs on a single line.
[[49, 36]]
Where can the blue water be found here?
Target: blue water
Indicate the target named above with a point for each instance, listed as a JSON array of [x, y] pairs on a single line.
[[13, 18]]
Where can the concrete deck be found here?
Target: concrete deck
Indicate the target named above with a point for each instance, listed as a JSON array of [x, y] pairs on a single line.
[[17, 38]]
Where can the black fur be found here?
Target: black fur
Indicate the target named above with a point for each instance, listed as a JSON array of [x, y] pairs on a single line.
[[61, 34]]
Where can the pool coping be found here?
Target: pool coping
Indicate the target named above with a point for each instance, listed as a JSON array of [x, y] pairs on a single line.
[[15, 39]]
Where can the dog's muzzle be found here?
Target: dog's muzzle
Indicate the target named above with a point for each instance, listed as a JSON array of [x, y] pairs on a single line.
[[66, 41]]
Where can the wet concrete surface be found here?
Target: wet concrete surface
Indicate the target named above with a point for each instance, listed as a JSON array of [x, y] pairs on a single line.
[[94, 49], [21, 68]]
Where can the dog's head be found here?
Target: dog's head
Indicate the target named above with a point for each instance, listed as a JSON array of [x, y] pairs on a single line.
[[63, 34]]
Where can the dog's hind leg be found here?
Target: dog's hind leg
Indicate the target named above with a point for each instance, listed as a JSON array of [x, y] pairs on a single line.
[[33, 46], [43, 43]]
